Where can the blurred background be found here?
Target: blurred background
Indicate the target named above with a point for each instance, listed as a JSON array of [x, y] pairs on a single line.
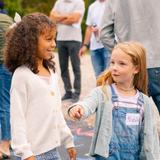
[[27, 6]]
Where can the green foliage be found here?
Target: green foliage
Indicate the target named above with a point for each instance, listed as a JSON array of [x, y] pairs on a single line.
[[37, 6], [13, 6], [87, 3], [28, 6]]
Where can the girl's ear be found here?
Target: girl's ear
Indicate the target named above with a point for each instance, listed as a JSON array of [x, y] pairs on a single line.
[[137, 68]]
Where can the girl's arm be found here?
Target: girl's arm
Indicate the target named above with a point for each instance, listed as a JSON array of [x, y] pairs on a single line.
[[66, 136], [87, 106], [157, 117], [19, 100]]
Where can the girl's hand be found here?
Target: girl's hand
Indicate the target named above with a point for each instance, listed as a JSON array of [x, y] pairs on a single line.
[[76, 112], [72, 153], [31, 158]]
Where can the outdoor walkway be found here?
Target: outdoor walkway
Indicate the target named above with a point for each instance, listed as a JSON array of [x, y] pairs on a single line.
[[82, 130]]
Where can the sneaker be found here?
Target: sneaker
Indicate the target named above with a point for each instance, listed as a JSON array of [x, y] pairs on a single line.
[[67, 96], [75, 98]]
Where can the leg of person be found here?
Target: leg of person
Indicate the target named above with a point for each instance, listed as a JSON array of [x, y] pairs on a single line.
[[154, 85], [105, 58], [5, 82], [97, 62], [97, 157], [63, 61], [74, 48], [50, 155]]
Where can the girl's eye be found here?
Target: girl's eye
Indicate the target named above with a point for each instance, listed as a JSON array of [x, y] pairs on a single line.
[[122, 63], [48, 39], [111, 62]]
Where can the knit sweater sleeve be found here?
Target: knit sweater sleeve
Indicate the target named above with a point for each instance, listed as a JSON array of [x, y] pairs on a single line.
[[65, 133], [90, 102], [156, 115], [18, 96]]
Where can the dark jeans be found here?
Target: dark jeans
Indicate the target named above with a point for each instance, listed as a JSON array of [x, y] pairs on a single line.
[[70, 49], [154, 85], [97, 157], [5, 82]]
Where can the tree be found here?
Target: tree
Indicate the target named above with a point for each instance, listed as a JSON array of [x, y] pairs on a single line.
[[13, 6], [37, 6], [28, 6]]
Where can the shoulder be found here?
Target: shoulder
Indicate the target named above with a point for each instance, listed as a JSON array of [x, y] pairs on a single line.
[[146, 98], [113, 4], [21, 78], [78, 2], [5, 21], [148, 102], [93, 5], [21, 73], [5, 18], [97, 90], [103, 91]]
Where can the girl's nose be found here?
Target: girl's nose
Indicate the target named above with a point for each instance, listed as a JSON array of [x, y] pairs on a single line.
[[53, 44], [113, 67]]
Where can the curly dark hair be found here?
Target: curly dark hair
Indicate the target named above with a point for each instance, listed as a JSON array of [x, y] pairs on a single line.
[[22, 42]]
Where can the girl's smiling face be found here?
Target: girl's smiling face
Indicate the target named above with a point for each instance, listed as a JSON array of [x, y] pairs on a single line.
[[46, 45], [122, 68]]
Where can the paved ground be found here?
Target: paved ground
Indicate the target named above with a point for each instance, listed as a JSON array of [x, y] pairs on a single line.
[[82, 130]]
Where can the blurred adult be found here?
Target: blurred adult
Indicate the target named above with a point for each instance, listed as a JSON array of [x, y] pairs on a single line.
[[5, 82], [99, 54], [136, 21], [68, 14]]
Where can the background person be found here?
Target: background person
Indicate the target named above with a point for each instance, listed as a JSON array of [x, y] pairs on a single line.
[[99, 54], [5, 82], [68, 14], [131, 21]]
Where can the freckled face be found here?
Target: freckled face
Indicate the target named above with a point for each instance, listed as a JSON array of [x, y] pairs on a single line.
[[122, 68], [46, 45]]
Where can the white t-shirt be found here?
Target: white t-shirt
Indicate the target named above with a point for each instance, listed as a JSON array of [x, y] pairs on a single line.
[[95, 13], [130, 100], [69, 32]]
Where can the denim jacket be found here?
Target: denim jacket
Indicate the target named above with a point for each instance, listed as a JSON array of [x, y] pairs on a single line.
[[99, 101]]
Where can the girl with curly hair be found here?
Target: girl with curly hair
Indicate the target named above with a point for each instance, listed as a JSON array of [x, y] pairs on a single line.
[[37, 123]]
